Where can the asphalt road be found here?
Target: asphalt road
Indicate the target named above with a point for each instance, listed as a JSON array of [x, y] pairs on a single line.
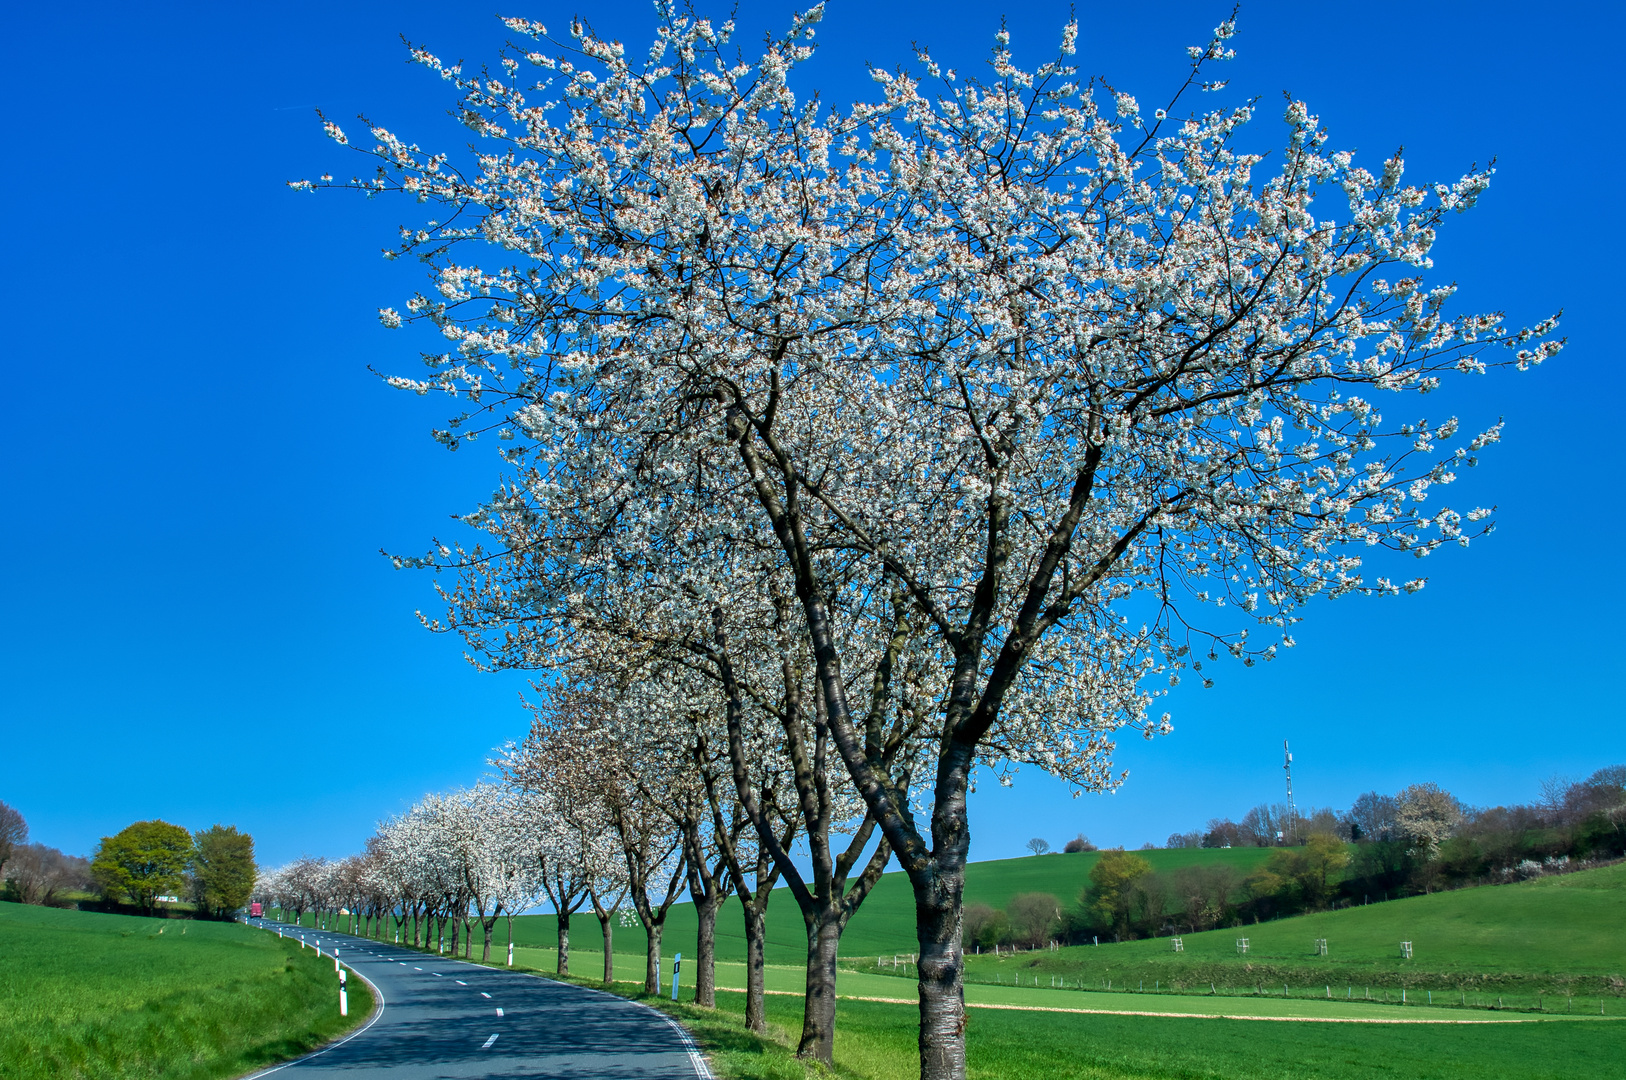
[[442, 1017]]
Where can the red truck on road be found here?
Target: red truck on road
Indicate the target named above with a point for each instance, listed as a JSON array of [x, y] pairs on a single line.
[[255, 911]]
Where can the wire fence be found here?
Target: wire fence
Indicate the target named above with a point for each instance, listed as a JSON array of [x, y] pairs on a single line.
[[903, 965]]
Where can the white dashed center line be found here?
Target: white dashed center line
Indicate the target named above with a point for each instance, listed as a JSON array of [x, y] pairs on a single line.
[[437, 974], [460, 982], [417, 969], [487, 1044], [485, 995], [499, 1012]]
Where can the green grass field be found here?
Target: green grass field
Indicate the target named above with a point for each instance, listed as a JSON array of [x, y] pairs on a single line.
[[788, 981], [877, 1041], [114, 997], [1534, 944]]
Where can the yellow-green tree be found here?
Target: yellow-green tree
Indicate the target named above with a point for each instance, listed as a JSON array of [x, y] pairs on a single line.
[[1110, 895], [222, 869], [143, 862], [1306, 875]]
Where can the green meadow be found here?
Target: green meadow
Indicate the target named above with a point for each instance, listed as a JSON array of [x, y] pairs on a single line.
[[1533, 944], [87, 996], [877, 1041]]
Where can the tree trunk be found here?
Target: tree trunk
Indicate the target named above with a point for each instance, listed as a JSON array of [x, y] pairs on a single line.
[[563, 966], [652, 958], [756, 1017], [819, 1006], [609, 934], [942, 992], [485, 945], [705, 951]]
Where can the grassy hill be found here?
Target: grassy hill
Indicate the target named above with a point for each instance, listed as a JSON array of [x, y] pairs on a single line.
[[1555, 935], [119, 997]]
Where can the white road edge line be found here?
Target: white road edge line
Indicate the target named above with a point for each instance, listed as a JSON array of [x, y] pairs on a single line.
[[696, 1059], [487, 1044]]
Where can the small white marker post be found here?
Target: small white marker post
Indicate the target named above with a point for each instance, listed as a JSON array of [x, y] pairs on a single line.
[[344, 997], [510, 954], [677, 970]]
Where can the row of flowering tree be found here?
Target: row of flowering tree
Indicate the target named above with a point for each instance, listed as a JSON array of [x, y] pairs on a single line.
[[452, 865], [845, 450]]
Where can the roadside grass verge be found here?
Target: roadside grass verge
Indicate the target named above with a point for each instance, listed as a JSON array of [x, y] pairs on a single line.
[[86, 996]]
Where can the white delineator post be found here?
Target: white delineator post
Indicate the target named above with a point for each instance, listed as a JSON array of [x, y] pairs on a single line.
[[344, 996], [510, 954]]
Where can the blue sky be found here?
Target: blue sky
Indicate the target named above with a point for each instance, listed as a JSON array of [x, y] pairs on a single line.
[[202, 470]]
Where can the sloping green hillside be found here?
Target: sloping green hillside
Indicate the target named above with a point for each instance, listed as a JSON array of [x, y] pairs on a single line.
[[1551, 934], [1554, 933]]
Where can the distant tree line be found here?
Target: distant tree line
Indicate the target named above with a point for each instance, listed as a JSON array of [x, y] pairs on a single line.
[[1424, 838], [35, 873], [1384, 846], [212, 868]]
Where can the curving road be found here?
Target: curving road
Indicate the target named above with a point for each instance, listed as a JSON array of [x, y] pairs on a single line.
[[442, 1018]]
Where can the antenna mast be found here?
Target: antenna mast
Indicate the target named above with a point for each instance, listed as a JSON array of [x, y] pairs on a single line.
[[1287, 767]]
